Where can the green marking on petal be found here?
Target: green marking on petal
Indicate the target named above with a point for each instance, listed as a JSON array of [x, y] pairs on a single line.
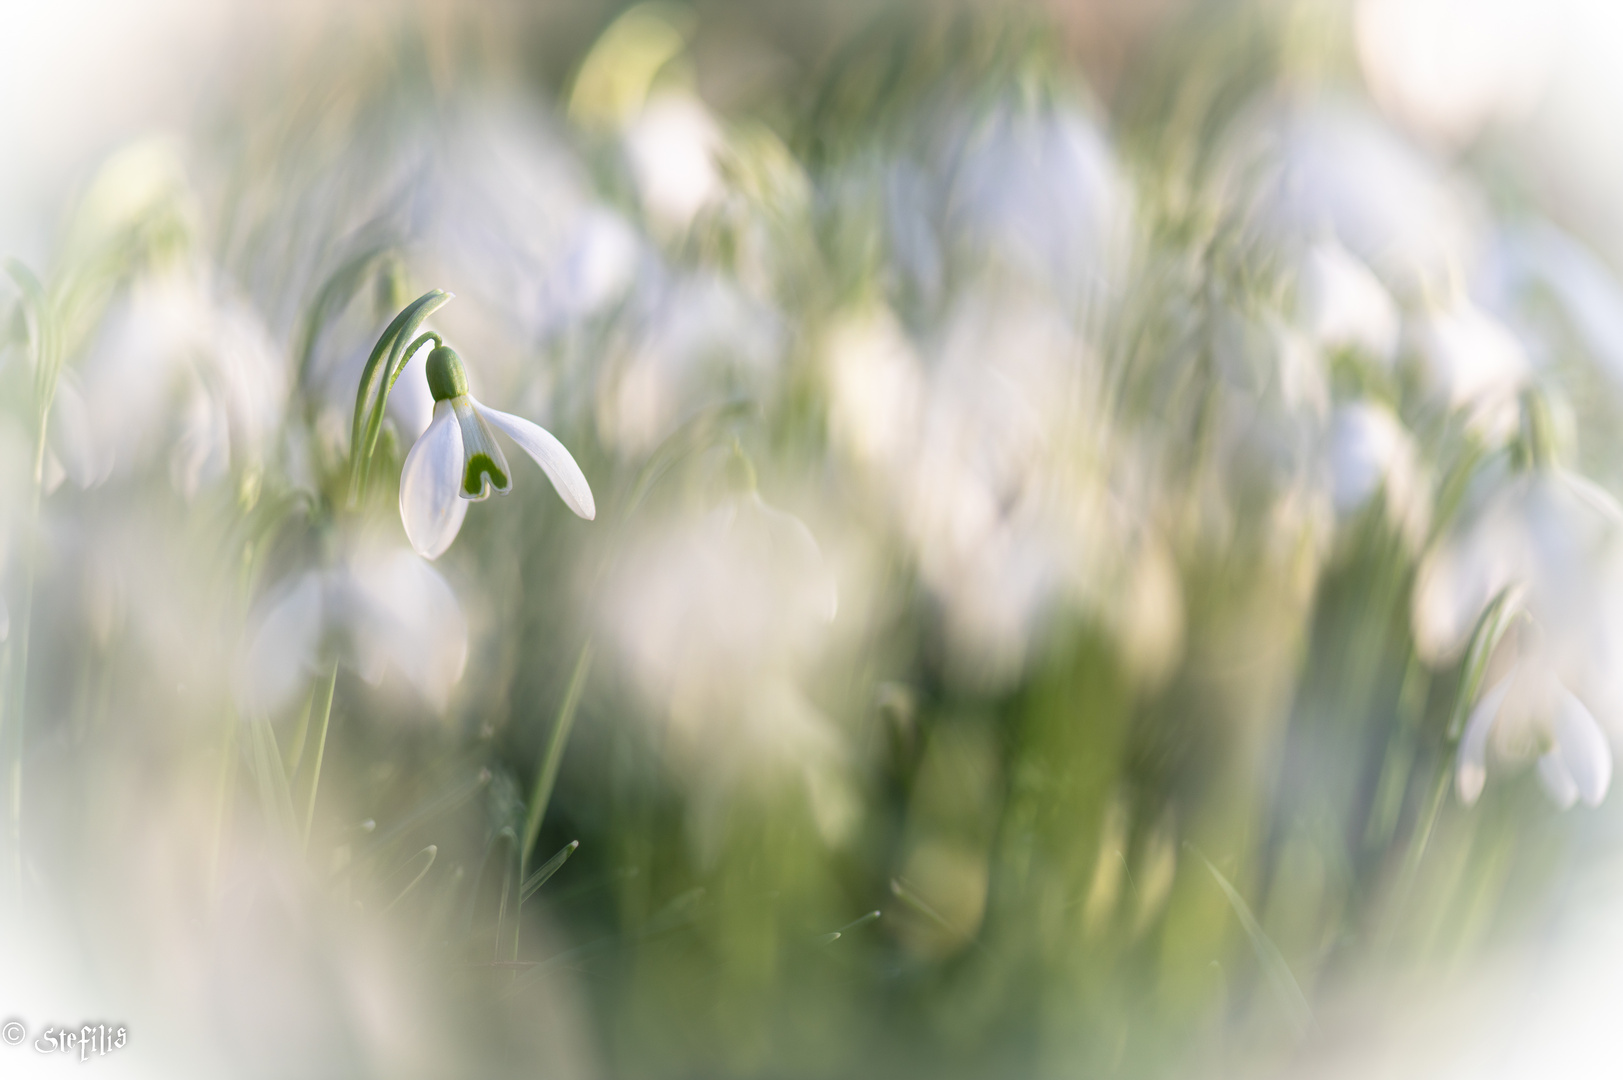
[[483, 474], [486, 468]]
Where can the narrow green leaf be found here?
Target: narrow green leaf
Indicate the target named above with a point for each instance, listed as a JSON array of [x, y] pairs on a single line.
[[546, 775], [548, 868], [1291, 999], [431, 851], [372, 395]]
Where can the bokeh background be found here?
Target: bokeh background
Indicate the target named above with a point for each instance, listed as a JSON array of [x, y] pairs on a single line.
[[1105, 558]]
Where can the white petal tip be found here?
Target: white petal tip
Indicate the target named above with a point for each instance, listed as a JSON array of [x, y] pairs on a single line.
[[1468, 783]]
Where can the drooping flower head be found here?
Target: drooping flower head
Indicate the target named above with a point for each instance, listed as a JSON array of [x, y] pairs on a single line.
[[457, 460]]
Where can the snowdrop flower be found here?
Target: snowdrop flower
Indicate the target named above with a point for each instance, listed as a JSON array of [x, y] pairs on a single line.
[[1529, 710], [672, 146], [1370, 453], [457, 461], [1040, 190], [386, 609], [700, 340], [1449, 68], [1551, 541], [1472, 362], [1332, 167], [1342, 305], [178, 365], [718, 617]]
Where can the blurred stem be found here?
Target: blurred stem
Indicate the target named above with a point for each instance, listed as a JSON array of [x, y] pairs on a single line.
[[547, 774], [222, 801], [322, 712], [1491, 627], [47, 366]]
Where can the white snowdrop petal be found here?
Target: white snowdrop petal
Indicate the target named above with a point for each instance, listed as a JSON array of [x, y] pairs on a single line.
[[1557, 783], [1471, 765], [403, 614], [430, 507], [281, 654], [550, 454], [1582, 748], [485, 469]]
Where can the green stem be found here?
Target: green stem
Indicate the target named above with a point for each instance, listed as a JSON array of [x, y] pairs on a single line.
[[322, 723], [47, 366], [383, 367], [222, 802], [547, 774]]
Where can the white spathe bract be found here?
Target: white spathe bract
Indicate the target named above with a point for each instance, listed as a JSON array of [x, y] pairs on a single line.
[[383, 608], [433, 498]]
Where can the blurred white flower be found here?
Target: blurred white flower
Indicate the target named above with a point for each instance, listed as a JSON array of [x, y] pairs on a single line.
[[719, 616], [1370, 453], [1538, 261], [1555, 542], [1342, 305], [385, 607], [1526, 712], [1471, 362], [701, 341], [175, 365], [876, 387], [672, 144], [1333, 169], [1039, 188], [457, 460], [999, 477], [1451, 67]]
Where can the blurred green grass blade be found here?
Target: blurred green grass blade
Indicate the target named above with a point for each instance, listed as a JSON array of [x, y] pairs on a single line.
[[857, 922], [432, 851], [436, 806], [274, 795], [1289, 994], [546, 776], [323, 717], [678, 912], [548, 868], [919, 904]]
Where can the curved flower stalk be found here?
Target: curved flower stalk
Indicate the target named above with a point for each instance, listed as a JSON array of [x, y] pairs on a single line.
[[457, 460], [1551, 542], [379, 609]]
